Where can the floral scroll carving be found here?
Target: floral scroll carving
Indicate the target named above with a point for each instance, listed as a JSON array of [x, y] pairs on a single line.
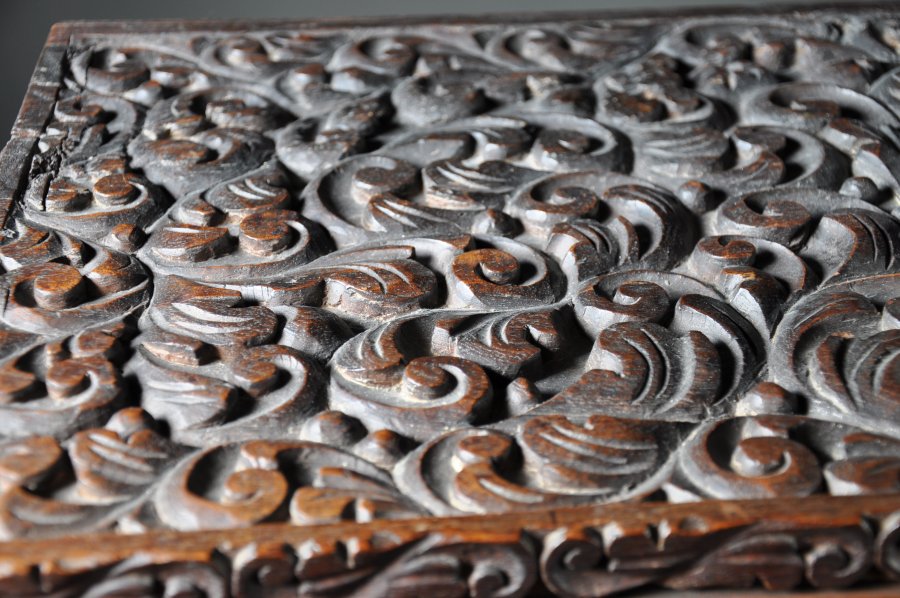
[[347, 279]]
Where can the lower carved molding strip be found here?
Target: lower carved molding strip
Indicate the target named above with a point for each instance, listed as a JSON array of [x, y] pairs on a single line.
[[819, 543]]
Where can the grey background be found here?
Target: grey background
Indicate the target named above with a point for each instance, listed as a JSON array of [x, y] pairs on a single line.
[[24, 23]]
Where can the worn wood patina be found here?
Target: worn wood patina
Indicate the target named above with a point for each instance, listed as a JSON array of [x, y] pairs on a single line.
[[550, 305]]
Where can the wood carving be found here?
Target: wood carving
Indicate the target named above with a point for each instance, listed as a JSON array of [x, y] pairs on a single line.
[[495, 307]]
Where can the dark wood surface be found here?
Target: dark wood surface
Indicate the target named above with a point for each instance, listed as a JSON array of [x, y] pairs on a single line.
[[569, 304]]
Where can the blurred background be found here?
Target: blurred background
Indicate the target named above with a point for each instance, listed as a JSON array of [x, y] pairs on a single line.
[[24, 23]]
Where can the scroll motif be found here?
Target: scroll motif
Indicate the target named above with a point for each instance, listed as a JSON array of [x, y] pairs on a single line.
[[310, 278]]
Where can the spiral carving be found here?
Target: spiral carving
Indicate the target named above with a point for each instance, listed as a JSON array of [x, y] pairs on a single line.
[[323, 275]]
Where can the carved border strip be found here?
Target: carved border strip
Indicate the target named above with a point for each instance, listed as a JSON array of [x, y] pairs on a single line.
[[826, 543]]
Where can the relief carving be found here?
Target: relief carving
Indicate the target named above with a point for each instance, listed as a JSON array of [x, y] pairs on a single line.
[[346, 278]]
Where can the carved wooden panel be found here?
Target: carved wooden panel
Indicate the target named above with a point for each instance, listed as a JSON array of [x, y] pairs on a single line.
[[491, 307]]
